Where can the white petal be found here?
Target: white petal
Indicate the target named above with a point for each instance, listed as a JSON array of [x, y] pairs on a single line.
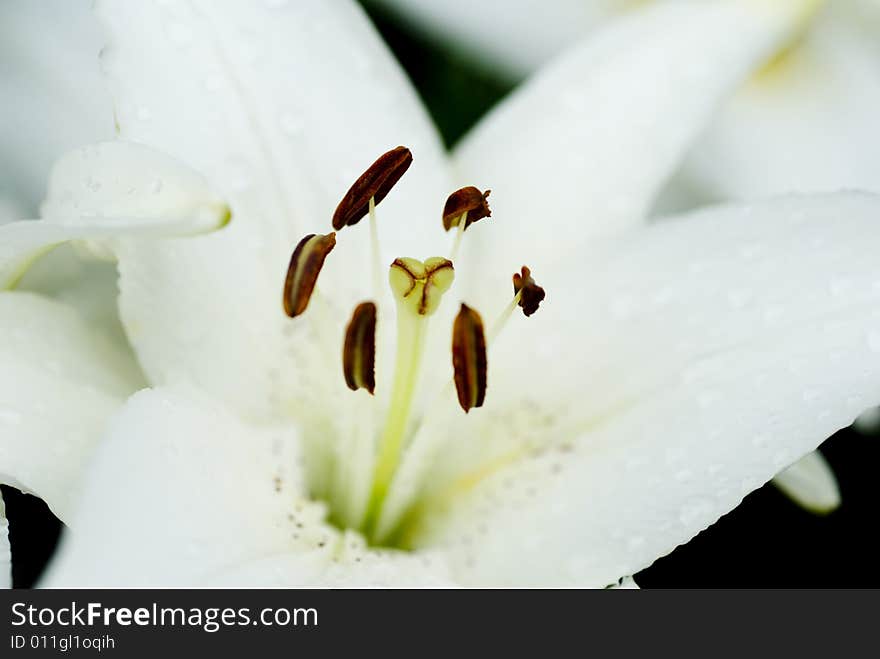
[[515, 37], [179, 489], [5, 551], [702, 357], [281, 108], [806, 123], [88, 285], [182, 492], [54, 98], [112, 181], [107, 191], [581, 149], [810, 483], [61, 380]]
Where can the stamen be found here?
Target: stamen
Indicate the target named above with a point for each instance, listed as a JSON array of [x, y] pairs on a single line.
[[302, 273], [359, 352], [374, 248], [527, 294], [530, 294], [374, 184], [464, 207], [469, 358]]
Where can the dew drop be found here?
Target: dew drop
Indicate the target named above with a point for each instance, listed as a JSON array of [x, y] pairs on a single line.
[[694, 510], [289, 124], [708, 398], [634, 542], [840, 286], [738, 299], [180, 34], [213, 82], [9, 417], [684, 475]]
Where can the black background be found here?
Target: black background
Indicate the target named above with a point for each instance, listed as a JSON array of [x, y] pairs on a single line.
[[767, 541]]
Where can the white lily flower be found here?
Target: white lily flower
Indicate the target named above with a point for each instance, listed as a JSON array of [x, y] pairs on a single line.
[[673, 368]]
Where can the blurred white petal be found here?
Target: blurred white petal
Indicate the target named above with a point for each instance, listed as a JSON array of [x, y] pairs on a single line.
[[868, 422], [54, 97], [807, 123], [810, 483], [514, 37], [582, 149]]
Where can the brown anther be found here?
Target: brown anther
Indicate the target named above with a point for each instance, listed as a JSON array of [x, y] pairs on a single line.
[[373, 184], [359, 351], [302, 273], [530, 294], [469, 358], [467, 200]]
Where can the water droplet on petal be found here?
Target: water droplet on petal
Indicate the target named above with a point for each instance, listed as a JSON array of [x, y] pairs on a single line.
[[737, 299], [9, 417], [180, 34], [289, 124], [213, 82], [694, 511]]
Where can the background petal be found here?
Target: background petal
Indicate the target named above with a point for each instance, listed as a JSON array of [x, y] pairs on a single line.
[[582, 148], [806, 123], [514, 37], [53, 95], [810, 483]]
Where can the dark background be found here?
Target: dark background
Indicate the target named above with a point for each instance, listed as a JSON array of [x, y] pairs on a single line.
[[767, 541]]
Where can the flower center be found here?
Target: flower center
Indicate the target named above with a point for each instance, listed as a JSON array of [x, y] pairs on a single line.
[[373, 456]]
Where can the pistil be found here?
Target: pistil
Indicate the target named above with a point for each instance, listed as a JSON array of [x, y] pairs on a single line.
[[417, 288]]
